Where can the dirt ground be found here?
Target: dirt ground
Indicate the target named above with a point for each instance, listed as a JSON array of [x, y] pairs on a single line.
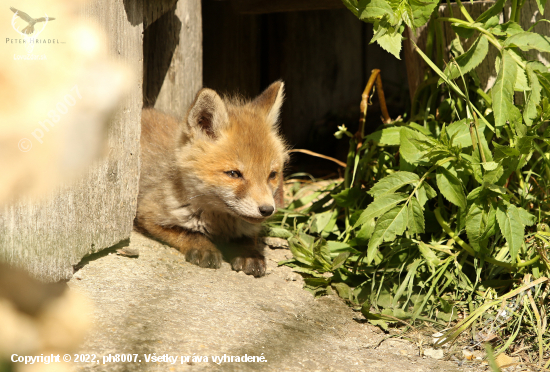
[[158, 305]]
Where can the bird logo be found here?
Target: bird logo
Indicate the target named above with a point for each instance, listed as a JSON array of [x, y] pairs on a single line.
[[31, 21], [29, 34]]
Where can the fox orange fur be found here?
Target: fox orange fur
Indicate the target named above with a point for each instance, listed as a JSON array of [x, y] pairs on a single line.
[[209, 182]]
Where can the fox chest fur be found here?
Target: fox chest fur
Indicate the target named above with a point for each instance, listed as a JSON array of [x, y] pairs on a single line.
[[216, 175]]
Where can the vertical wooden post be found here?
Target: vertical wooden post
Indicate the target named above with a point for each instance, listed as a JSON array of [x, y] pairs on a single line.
[[97, 211], [173, 59]]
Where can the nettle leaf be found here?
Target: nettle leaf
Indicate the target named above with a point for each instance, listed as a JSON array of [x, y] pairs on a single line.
[[425, 193], [511, 226], [339, 247], [422, 10], [301, 253], [476, 193], [404, 12], [347, 197], [529, 40], [279, 232], [391, 43], [392, 183], [380, 206], [366, 230], [541, 4], [526, 218], [544, 82], [492, 22], [410, 148], [353, 6], [320, 221], [465, 31], [525, 144], [428, 254], [521, 84], [475, 226], [386, 136], [490, 165], [533, 98], [374, 9], [391, 224], [450, 187], [495, 10], [503, 91], [521, 130], [492, 176], [321, 252], [416, 217], [507, 29], [480, 223], [459, 131], [469, 60], [503, 152], [344, 290], [339, 260]]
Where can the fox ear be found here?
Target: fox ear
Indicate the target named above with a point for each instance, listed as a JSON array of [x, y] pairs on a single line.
[[208, 113], [270, 101]]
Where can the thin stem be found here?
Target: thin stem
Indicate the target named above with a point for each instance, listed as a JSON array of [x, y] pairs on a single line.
[[481, 152], [450, 8], [489, 35], [514, 10], [472, 135], [465, 12], [316, 154], [528, 263], [382, 99], [485, 96], [364, 105]]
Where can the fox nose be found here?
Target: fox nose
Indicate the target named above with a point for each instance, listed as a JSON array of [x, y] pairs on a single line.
[[266, 210]]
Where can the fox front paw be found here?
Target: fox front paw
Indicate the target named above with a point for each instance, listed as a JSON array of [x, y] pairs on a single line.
[[251, 265], [204, 257]]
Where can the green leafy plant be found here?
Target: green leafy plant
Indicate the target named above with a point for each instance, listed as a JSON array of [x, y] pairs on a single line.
[[437, 216]]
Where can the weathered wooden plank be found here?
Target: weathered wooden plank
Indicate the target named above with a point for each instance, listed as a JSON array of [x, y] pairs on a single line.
[[270, 6], [97, 211], [232, 49], [154, 9], [319, 56], [173, 59]]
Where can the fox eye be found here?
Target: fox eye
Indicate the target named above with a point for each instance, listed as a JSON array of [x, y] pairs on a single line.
[[272, 175], [234, 174]]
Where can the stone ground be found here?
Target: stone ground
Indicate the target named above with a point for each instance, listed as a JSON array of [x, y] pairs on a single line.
[[159, 304]]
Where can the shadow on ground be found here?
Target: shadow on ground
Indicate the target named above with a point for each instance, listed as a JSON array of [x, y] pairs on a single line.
[[159, 304]]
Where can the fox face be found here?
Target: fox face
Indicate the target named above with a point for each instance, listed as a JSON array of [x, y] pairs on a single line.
[[230, 157], [208, 182]]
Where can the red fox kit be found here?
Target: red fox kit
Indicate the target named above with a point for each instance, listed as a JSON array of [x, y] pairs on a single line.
[[211, 181]]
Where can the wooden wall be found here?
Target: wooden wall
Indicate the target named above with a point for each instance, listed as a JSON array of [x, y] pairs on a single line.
[[172, 49], [97, 211], [322, 55], [47, 238]]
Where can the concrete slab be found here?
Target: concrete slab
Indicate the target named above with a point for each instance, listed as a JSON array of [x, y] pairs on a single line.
[[158, 304]]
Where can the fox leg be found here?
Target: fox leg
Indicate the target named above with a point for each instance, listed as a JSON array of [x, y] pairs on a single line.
[[196, 247], [244, 255]]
